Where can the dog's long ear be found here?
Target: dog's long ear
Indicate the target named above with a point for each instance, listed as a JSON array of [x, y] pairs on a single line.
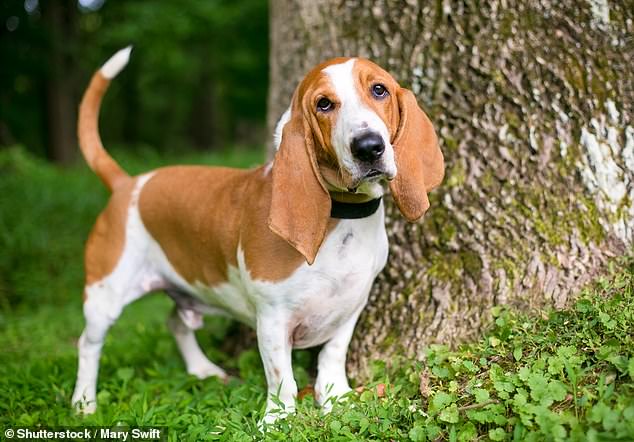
[[419, 161], [300, 203]]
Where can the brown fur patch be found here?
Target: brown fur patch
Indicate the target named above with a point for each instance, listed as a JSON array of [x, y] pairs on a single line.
[[193, 212], [200, 214], [107, 237]]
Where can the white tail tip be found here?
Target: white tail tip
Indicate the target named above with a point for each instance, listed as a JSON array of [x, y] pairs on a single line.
[[116, 63]]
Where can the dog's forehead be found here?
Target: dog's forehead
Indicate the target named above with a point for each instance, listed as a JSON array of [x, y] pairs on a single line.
[[341, 75], [341, 70]]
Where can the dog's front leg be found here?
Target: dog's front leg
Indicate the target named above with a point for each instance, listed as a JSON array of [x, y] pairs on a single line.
[[275, 351], [332, 382]]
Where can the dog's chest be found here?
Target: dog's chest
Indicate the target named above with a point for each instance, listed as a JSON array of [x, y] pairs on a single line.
[[315, 300]]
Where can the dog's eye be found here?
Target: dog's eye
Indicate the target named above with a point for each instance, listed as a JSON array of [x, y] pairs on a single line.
[[324, 104], [379, 91]]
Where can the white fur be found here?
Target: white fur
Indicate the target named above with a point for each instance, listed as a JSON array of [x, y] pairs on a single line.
[[354, 118], [279, 127], [116, 63]]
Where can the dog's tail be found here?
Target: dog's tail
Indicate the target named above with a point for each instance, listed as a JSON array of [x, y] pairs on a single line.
[[96, 156]]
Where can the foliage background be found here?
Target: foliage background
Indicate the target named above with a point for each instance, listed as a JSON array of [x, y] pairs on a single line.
[[198, 75]]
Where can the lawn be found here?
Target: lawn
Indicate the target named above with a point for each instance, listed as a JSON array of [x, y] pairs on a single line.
[[566, 375]]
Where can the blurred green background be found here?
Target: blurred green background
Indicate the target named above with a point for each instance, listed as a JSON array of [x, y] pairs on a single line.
[[194, 92], [197, 78]]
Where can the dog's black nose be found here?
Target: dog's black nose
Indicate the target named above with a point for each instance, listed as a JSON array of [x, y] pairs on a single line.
[[367, 147]]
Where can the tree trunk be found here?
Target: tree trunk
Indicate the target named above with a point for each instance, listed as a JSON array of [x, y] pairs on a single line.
[[532, 102], [203, 127], [61, 100]]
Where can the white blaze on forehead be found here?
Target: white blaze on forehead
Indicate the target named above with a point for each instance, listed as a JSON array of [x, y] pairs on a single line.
[[354, 117]]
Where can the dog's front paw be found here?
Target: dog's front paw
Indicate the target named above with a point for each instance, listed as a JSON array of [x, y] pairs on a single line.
[[330, 394], [84, 400], [84, 407], [272, 416], [207, 369]]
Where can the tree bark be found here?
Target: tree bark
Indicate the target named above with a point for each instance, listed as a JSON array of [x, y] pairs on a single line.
[[532, 102], [61, 100]]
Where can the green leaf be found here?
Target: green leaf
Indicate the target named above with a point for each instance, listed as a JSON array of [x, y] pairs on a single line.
[[441, 372], [470, 366], [583, 305], [538, 385], [450, 414], [607, 320], [481, 395], [620, 362], [497, 434], [125, 373], [433, 431], [605, 415], [417, 434], [441, 400], [335, 426], [557, 390], [524, 373], [481, 416], [520, 399], [555, 364], [517, 353], [468, 432]]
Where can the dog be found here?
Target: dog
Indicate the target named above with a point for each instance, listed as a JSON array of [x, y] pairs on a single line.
[[290, 248]]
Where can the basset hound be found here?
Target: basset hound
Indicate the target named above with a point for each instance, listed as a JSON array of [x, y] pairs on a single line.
[[290, 248]]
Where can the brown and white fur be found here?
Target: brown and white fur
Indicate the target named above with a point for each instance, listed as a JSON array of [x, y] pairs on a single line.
[[259, 245]]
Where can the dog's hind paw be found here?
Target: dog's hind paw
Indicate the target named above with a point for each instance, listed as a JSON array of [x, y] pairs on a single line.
[[206, 370]]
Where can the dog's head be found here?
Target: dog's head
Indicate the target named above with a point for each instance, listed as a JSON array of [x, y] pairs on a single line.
[[350, 127]]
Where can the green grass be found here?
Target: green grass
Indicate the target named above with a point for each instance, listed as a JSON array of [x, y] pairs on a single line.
[[567, 375]]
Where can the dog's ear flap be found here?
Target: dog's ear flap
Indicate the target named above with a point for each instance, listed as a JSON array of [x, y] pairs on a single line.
[[300, 203], [419, 161]]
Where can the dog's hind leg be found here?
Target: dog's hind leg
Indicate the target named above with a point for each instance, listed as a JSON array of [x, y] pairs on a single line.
[[101, 309], [130, 276], [182, 323]]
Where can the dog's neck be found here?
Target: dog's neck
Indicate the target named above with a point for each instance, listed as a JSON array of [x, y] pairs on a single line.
[[346, 205]]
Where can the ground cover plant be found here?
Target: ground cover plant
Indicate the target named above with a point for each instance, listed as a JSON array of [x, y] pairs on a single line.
[[566, 375]]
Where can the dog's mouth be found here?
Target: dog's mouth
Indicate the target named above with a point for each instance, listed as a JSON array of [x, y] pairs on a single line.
[[371, 176], [373, 173]]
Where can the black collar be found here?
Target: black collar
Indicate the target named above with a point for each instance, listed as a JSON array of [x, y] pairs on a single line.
[[353, 210]]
